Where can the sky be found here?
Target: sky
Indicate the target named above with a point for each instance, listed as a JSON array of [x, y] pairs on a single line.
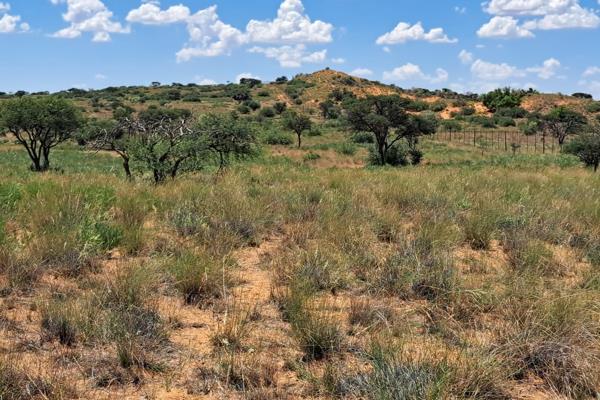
[[464, 45]]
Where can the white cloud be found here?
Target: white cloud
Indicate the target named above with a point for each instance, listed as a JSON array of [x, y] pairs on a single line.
[[338, 60], [291, 56], [548, 69], [503, 72], [151, 14], [245, 75], [291, 26], [488, 71], [291, 30], [209, 36], [204, 81], [542, 14], [504, 27], [404, 32], [11, 23], [362, 72], [591, 71], [465, 57], [412, 72], [460, 10], [100, 77], [88, 16]]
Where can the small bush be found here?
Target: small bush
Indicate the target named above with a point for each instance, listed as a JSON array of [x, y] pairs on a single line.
[[317, 333], [199, 278], [278, 138], [363, 138], [346, 149]]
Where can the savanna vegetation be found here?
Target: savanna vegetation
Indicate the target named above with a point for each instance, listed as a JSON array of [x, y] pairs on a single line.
[[332, 249]]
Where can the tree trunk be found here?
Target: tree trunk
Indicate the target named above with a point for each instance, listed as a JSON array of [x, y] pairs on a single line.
[[382, 153], [45, 159], [299, 139], [127, 169], [159, 176]]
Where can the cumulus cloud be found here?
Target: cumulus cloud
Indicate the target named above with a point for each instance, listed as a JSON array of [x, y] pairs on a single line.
[[503, 72], [548, 69], [209, 36], [288, 34], [412, 72], [291, 56], [488, 71], [539, 15], [362, 72], [151, 14], [88, 16], [591, 71], [338, 60], [504, 27], [291, 26], [404, 32], [465, 57], [11, 23]]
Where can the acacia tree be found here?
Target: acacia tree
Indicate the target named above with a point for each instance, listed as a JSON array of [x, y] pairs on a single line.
[[110, 135], [297, 123], [587, 147], [562, 122], [161, 140], [39, 124], [379, 115], [225, 136]]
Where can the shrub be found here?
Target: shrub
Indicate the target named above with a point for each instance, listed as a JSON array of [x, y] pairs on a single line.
[[347, 149], [317, 333], [363, 138], [593, 107], [311, 156], [199, 278], [267, 112], [397, 155], [278, 138]]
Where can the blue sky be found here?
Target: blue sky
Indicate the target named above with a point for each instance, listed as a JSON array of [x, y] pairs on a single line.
[[464, 45]]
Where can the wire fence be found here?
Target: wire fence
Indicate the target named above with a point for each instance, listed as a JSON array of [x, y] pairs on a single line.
[[510, 141]]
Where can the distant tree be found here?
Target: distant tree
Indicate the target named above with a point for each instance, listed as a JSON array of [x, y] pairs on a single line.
[[39, 124], [385, 117], [250, 82], [20, 93], [297, 123], [580, 95], [155, 84], [587, 147], [240, 93], [281, 80], [280, 107], [226, 137], [502, 98], [562, 122], [328, 109], [451, 125]]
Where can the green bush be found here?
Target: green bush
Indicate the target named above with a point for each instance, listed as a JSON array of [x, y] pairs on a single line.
[[278, 138]]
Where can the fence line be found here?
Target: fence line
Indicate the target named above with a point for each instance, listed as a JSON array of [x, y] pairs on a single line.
[[504, 140]]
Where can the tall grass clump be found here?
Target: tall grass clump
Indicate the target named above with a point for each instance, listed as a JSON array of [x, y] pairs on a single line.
[[558, 340], [200, 278]]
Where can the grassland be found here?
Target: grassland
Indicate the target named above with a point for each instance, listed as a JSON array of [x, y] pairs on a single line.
[[302, 274]]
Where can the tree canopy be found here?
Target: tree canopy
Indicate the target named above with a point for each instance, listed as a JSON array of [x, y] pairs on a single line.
[[39, 124], [386, 118]]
